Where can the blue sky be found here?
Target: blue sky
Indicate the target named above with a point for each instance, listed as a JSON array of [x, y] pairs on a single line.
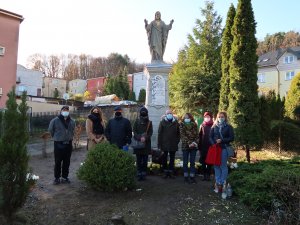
[[98, 27]]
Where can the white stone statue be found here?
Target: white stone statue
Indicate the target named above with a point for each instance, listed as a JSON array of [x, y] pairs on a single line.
[[157, 32]]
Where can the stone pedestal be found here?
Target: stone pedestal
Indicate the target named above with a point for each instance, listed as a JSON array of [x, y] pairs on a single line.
[[157, 94]]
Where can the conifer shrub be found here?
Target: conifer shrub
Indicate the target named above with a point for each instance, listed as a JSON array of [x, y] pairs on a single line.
[[272, 185], [107, 168], [15, 176]]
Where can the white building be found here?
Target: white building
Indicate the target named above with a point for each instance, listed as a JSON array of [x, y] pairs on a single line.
[[139, 82], [29, 80], [77, 86]]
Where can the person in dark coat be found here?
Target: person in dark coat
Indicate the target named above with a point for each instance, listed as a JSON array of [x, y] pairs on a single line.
[[62, 129], [204, 144], [118, 130], [142, 131], [168, 140], [221, 133]]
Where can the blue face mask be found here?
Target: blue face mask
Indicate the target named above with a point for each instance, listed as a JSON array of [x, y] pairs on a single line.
[[221, 120], [169, 116], [65, 113], [187, 120]]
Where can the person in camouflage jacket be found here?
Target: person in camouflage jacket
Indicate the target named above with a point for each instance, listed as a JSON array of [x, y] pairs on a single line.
[[189, 140]]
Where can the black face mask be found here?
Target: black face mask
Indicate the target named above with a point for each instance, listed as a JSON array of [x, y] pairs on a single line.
[[95, 114], [118, 114]]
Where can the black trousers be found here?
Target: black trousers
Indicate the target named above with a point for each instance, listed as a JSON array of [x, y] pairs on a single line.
[[142, 163], [168, 168], [62, 156]]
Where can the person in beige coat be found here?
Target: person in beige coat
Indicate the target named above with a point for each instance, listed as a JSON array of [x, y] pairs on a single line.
[[95, 128]]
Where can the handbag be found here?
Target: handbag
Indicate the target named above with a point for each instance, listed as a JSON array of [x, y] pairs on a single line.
[[136, 144], [214, 155], [229, 148], [230, 151]]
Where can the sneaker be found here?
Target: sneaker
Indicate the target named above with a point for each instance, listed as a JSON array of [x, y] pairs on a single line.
[[56, 181], [193, 180], [65, 180]]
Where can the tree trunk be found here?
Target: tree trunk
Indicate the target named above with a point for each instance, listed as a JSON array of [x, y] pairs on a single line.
[[248, 153]]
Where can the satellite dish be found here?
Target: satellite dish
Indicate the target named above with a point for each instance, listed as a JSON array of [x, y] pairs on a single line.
[[66, 96]]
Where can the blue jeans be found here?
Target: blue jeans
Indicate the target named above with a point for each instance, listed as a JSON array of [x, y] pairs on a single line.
[[186, 154], [221, 172], [142, 163]]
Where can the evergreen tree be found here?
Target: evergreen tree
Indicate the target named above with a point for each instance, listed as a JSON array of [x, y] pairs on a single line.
[[132, 96], [243, 99], [227, 39], [14, 183], [195, 79], [292, 102], [142, 96], [264, 111]]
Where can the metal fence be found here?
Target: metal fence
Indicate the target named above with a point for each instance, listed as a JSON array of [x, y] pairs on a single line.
[[39, 122]]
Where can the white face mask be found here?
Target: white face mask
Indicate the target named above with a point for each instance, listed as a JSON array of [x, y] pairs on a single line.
[[187, 120], [207, 119], [65, 113]]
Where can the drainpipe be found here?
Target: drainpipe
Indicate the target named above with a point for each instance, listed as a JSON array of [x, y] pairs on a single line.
[[278, 89], [278, 79]]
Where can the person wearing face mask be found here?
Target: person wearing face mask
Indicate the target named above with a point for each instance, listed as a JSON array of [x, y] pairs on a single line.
[[95, 127], [204, 144], [189, 140], [142, 131], [221, 133], [118, 130], [62, 129], [168, 140]]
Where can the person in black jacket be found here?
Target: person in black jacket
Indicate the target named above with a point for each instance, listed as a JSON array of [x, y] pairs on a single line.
[[221, 133], [118, 130], [168, 140], [204, 144], [142, 130]]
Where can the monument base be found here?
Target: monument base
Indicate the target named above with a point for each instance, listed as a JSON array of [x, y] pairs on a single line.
[[157, 94]]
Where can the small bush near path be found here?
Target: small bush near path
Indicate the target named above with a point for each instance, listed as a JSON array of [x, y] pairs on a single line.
[[108, 168], [272, 186]]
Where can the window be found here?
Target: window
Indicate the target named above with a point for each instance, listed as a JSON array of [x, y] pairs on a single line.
[[288, 59], [261, 78], [289, 75], [2, 50]]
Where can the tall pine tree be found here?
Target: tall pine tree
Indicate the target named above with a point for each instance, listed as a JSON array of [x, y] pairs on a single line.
[[195, 79], [14, 183], [227, 39], [243, 99]]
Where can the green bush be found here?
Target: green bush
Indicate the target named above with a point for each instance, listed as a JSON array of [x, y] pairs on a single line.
[[108, 168], [271, 185]]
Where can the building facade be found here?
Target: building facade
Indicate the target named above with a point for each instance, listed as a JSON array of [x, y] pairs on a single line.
[[139, 81], [30, 81], [77, 86], [9, 41], [277, 69], [51, 86]]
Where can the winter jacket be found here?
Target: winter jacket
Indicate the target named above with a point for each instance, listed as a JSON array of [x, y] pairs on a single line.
[[204, 135], [61, 129], [139, 131], [91, 135], [226, 137], [168, 135], [119, 131], [188, 134]]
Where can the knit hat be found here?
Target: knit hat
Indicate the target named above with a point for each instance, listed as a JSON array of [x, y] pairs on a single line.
[[143, 111], [65, 107], [207, 114]]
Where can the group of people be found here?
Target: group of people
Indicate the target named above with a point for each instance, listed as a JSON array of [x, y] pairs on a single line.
[[171, 131]]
